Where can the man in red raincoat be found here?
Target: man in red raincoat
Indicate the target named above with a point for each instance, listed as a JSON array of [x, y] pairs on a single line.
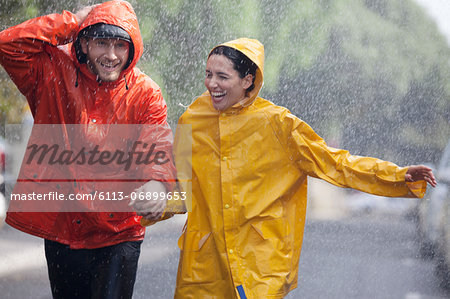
[[81, 69]]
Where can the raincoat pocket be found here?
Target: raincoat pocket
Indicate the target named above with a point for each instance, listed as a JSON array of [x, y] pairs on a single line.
[[197, 263], [272, 246]]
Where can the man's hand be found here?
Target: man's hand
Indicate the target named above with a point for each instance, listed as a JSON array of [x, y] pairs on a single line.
[[82, 13], [420, 172], [149, 203]]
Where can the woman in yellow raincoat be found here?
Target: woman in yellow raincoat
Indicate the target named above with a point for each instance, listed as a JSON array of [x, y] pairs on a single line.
[[249, 167]]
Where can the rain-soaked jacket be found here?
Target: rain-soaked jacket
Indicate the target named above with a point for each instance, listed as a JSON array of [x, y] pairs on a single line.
[[42, 61], [250, 164]]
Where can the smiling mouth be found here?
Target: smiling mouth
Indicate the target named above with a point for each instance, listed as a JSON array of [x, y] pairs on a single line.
[[110, 67], [217, 96]]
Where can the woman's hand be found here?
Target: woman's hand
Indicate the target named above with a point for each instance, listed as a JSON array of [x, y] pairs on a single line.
[[150, 201], [420, 172]]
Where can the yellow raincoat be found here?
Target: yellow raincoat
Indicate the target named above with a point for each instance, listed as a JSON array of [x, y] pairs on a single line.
[[250, 164]]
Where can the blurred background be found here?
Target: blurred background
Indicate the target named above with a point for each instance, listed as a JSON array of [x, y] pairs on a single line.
[[370, 76]]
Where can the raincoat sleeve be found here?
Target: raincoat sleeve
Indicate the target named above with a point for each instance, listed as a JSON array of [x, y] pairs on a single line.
[[340, 168], [156, 133], [23, 48], [181, 196], [154, 109]]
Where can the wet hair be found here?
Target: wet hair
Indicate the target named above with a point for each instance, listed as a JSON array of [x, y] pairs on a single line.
[[241, 63]]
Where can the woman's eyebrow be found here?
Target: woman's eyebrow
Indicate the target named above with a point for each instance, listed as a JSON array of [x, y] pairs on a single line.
[[218, 73]]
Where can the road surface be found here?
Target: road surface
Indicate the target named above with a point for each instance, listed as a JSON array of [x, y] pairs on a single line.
[[372, 256]]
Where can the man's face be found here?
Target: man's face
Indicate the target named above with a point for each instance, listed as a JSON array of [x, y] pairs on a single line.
[[106, 57]]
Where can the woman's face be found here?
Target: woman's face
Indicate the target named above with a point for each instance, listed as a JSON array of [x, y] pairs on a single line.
[[223, 82]]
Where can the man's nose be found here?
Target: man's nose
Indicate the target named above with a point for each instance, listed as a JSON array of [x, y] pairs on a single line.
[[111, 52]]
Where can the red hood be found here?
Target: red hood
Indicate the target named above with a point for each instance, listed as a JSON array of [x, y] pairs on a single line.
[[119, 13]]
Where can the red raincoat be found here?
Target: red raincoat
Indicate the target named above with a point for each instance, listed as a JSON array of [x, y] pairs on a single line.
[[41, 59]]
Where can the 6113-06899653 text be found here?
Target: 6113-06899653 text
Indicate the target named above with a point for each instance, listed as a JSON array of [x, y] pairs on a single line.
[[103, 196]]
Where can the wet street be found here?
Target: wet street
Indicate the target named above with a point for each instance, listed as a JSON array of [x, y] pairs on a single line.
[[359, 257]]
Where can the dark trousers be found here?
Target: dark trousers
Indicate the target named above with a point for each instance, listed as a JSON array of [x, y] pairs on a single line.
[[108, 272]]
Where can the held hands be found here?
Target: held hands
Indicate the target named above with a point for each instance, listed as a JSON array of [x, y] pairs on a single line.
[[420, 172], [148, 201]]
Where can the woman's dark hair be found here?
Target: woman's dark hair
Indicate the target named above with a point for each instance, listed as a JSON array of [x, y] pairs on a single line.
[[241, 63]]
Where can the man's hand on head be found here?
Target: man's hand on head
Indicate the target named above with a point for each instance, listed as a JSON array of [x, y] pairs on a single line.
[[82, 13]]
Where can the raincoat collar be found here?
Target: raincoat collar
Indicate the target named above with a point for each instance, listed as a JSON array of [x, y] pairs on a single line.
[[254, 50], [119, 13]]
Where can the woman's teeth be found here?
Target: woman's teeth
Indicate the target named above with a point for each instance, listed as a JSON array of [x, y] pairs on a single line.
[[218, 94]]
